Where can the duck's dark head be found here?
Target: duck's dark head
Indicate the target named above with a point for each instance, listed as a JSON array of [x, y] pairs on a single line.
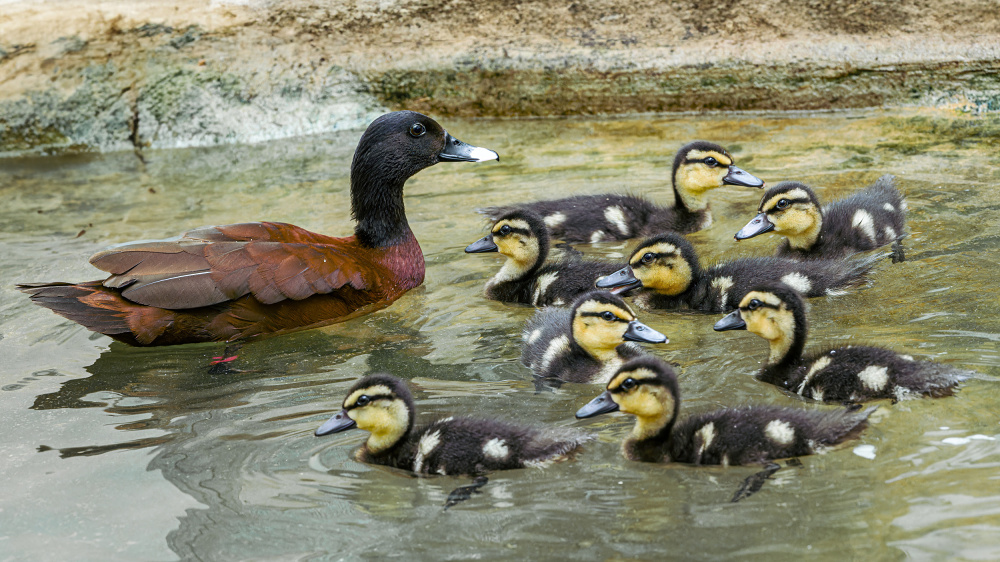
[[521, 236], [602, 321], [379, 403], [701, 166], [666, 264], [396, 146], [774, 312], [789, 208], [645, 387]]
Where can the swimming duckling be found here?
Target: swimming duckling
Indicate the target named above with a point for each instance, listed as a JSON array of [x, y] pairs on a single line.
[[666, 272], [872, 217], [583, 343], [698, 167], [522, 236], [844, 374], [647, 388], [381, 404]]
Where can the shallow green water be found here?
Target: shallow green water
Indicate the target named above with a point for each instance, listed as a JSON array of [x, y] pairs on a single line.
[[114, 453]]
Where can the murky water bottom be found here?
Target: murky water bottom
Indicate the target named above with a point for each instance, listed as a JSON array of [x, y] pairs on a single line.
[[111, 452]]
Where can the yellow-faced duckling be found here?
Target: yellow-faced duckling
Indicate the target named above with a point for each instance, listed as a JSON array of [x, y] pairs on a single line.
[[664, 273], [869, 219], [382, 404], [698, 168], [647, 388], [523, 238], [586, 342], [843, 374]]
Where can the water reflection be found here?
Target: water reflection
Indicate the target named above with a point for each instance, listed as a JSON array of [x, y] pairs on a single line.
[[241, 446]]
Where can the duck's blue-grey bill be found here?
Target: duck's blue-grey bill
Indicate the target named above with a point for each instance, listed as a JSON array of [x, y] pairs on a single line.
[[600, 405], [483, 245], [637, 331], [458, 151], [737, 176], [731, 321], [759, 225], [339, 422]]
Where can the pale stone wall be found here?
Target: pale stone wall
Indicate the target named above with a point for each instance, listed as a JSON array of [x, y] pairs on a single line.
[[131, 74]]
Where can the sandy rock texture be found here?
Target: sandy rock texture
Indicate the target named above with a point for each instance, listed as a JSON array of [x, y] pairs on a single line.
[[131, 74]]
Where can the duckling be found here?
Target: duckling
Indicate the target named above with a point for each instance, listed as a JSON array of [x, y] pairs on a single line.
[[665, 271], [583, 343], [647, 388], [522, 236], [698, 167], [381, 403], [871, 218], [843, 374]]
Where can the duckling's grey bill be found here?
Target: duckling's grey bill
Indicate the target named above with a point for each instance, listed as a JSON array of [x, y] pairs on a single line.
[[483, 245], [619, 281], [458, 151], [339, 422], [759, 225], [731, 321], [600, 405], [637, 331], [737, 176]]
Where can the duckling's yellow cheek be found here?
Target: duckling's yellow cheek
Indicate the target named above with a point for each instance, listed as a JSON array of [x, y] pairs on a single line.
[[701, 178]]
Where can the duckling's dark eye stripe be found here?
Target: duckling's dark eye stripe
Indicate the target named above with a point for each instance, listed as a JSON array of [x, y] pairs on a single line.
[[638, 382], [705, 161], [371, 398], [512, 231], [657, 255], [761, 305], [790, 201], [601, 316]]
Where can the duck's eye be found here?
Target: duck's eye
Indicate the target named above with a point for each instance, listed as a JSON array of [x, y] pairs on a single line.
[[711, 162], [608, 315], [648, 257], [628, 384], [754, 304], [504, 230], [783, 204], [417, 130], [362, 400]]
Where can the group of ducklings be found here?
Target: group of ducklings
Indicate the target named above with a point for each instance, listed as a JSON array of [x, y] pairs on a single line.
[[588, 334]]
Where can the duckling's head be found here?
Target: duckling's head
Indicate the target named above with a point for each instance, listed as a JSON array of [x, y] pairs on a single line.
[[602, 321], [666, 264], [645, 387], [701, 166], [789, 208], [773, 312], [522, 236], [379, 403]]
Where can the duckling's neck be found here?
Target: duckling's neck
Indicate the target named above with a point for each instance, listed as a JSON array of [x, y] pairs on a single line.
[[649, 439], [787, 347], [377, 206], [806, 238], [516, 270], [688, 197]]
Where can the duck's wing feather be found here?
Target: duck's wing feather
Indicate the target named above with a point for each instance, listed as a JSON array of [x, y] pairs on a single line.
[[211, 265]]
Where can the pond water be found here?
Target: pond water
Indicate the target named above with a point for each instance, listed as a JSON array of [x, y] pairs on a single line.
[[111, 452]]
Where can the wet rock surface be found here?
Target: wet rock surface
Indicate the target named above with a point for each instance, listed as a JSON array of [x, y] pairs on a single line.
[[79, 75]]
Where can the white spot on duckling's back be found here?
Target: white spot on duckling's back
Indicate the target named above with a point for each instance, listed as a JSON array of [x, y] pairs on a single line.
[[780, 431], [557, 347], [554, 220], [427, 444], [597, 236], [722, 284], [616, 217], [874, 377], [707, 435], [533, 336], [890, 233], [816, 367], [864, 222], [542, 285], [496, 448], [798, 281], [888, 207]]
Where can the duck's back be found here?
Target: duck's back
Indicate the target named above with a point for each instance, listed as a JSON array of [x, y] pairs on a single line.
[[862, 373], [605, 217], [722, 286], [462, 445], [757, 434], [560, 282]]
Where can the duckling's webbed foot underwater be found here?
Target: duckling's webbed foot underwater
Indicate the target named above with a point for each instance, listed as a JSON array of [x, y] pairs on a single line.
[[462, 493], [753, 483]]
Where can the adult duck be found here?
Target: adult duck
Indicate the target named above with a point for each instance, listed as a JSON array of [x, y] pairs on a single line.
[[698, 167], [244, 281]]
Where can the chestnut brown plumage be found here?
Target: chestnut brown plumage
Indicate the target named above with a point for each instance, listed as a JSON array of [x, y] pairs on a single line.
[[242, 281]]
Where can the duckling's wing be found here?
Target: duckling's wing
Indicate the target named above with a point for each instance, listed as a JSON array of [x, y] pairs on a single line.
[[211, 265]]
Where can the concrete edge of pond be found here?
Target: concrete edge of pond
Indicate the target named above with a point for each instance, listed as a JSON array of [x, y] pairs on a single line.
[[120, 77]]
